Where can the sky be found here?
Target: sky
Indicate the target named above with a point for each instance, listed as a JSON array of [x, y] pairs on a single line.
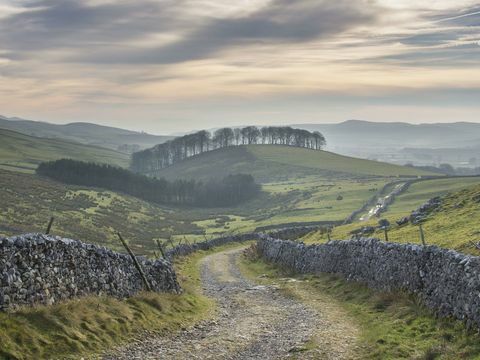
[[169, 66]]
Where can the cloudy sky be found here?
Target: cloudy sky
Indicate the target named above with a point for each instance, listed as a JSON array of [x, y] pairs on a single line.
[[174, 65]]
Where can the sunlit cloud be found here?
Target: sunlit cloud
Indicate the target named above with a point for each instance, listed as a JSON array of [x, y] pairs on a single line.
[[152, 58]]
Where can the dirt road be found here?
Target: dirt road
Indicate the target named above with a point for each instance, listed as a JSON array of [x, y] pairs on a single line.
[[253, 322]]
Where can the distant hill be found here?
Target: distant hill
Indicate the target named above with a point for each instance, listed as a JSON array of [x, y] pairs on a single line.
[[275, 162], [23, 152], [387, 141], [359, 133], [86, 133]]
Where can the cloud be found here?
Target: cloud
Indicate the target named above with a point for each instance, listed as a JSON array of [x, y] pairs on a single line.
[[119, 32], [44, 25]]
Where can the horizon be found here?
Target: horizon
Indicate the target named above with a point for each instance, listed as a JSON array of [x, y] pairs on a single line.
[[192, 130], [173, 66]]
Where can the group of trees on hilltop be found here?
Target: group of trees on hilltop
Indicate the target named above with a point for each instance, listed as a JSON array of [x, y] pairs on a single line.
[[169, 153], [228, 191]]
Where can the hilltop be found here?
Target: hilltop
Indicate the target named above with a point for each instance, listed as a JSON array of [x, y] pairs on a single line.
[[22, 152], [83, 132], [276, 162]]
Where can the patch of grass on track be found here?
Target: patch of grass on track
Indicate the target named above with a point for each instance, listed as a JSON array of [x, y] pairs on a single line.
[[391, 325]]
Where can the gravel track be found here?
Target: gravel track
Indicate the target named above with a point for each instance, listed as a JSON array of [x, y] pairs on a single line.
[[253, 322]]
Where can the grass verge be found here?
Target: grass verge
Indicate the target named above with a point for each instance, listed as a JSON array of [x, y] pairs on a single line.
[[391, 325], [92, 324]]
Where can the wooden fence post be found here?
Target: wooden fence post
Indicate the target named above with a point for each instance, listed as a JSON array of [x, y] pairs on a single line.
[[49, 227], [422, 235], [161, 248], [135, 262], [386, 234]]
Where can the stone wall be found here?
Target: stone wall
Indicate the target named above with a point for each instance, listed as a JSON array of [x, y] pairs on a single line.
[[189, 248], [36, 268], [447, 281]]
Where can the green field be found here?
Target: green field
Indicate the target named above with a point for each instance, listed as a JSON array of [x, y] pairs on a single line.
[[93, 215], [272, 163], [300, 186], [21, 152], [454, 225]]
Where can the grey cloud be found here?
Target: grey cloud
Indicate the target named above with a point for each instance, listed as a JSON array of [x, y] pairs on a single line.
[[431, 39], [282, 21], [52, 24]]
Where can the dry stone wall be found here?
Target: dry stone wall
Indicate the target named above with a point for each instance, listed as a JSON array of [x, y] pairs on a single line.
[[36, 268], [447, 281], [189, 248]]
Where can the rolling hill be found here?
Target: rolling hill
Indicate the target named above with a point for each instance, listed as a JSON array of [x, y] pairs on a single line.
[[269, 163], [85, 133], [22, 152]]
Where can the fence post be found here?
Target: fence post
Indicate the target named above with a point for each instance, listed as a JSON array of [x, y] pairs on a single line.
[[422, 235], [386, 234], [49, 227], [135, 262], [161, 248]]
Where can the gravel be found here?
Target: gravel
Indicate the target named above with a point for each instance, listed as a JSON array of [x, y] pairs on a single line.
[[252, 322]]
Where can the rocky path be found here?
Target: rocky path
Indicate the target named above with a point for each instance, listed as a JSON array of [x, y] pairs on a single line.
[[253, 322]]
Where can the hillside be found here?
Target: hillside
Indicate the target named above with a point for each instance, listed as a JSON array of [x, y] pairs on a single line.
[[23, 152], [85, 133], [269, 163], [28, 202], [454, 224]]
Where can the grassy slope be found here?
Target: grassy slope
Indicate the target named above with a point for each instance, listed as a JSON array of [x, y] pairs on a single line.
[[85, 133], [23, 152], [422, 191], [90, 215], [454, 225], [309, 195], [270, 163], [93, 215], [392, 325]]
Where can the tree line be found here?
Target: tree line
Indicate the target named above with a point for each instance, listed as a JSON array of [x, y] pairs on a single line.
[[178, 149], [228, 191]]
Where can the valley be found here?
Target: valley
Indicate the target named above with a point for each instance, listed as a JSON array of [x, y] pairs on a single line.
[[299, 187]]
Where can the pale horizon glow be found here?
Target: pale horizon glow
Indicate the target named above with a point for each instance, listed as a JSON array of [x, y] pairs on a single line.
[[170, 66]]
